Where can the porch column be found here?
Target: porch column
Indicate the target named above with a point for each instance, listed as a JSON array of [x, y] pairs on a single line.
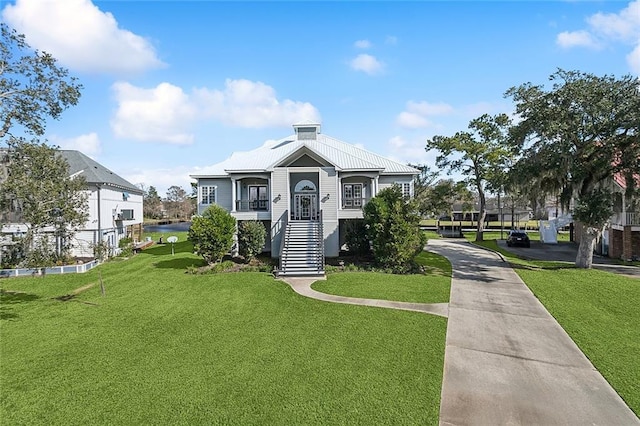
[[376, 186], [340, 193], [373, 188], [269, 194], [233, 194]]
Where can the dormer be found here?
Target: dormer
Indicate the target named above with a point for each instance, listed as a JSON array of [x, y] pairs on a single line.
[[307, 131]]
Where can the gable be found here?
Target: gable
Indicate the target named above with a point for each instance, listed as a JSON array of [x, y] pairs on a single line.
[[304, 157], [306, 161]]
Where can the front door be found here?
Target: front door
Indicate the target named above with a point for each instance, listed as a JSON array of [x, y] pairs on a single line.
[[305, 207]]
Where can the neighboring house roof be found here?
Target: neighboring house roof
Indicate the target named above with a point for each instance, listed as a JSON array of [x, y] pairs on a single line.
[[622, 182], [344, 156], [94, 172]]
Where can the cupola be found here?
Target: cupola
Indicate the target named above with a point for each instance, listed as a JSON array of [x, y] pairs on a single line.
[[307, 131]]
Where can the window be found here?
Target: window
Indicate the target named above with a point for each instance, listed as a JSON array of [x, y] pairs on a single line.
[[207, 195], [126, 214], [405, 187], [258, 197], [352, 195]]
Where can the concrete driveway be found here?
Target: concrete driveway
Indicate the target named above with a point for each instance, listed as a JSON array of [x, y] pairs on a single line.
[[567, 252], [507, 361]]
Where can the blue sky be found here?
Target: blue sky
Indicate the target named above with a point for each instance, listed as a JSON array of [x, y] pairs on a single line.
[[171, 87]]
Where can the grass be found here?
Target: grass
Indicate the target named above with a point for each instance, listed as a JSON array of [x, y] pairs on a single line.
[[598, 309], [600, 312], [165, 347], [434, 287]]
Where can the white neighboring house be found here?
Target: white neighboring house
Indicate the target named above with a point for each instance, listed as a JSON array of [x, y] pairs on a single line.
[[306, 185], [115, 207]]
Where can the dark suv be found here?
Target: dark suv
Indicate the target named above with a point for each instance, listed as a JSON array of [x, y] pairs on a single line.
[[518, 238]]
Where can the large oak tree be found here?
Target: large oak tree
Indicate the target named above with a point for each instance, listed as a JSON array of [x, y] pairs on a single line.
[[576, 136]]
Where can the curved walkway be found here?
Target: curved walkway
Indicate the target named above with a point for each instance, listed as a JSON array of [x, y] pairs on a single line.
[[302, 286], [507, 360]]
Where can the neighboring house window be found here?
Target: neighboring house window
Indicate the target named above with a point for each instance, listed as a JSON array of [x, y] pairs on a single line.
[[126, 214], [405, 187], [207, 195], [352, 195]]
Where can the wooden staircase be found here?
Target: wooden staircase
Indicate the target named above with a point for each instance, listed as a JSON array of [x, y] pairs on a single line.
[[302, 252]]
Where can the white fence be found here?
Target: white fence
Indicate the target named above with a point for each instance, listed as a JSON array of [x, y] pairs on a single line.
[[55, 270]]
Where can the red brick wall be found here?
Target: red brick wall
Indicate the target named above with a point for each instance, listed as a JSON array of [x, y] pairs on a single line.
[[615, 243]]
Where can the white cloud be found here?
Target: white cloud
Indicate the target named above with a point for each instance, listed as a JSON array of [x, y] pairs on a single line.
[[367, 63], [623, 26], [391, 40], [568, 39], [362, 44], [166, 113], [161, 178], [409, 151], [246, 103], [633, 59], [411, 120], [417, 114], [81, 36], [88, 144], [426, 108], [606, 28], [160, 114]]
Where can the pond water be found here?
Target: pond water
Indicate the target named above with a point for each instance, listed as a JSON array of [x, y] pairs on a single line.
[[171, 227]]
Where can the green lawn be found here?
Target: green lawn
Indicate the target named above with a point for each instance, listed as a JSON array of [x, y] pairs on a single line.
[[432, 288], [598, 309], [165, 347]]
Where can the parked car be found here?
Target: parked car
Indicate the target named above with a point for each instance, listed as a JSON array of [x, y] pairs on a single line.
[[518, 238]]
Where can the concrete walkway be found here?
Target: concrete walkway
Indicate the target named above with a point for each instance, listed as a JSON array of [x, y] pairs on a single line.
[[507, 360], [302, 286]]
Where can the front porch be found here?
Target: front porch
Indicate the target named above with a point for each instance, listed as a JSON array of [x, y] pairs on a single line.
[[250, 198]]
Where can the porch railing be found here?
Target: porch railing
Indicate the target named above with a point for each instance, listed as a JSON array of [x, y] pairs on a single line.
[[354, 203], [250, 206], [632, 218]]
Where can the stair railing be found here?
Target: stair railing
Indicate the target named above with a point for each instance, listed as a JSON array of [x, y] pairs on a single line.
[[320, 253], [283, 239]]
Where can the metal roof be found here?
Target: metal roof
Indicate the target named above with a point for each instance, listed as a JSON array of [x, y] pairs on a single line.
[[342, 155], [94, 172]]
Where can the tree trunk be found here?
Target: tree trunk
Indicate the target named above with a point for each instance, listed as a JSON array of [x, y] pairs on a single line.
[[483, 215], [584, 259]]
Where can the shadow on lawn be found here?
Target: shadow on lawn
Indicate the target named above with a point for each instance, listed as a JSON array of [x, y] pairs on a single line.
[[8, 297], [165, 249], [180, 263]]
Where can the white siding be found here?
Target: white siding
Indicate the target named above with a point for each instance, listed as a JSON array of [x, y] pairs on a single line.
[[279, 206], [387, 181], [223, 192], [329, 204]]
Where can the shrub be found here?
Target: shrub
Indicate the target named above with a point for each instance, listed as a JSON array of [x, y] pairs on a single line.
[[126, 246], [393, 227], [251, 238], [212, 233], [356, 237]]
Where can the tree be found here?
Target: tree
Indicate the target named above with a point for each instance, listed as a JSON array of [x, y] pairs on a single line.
[[422, 185], [178, 203], [212, 233], [577, 136], [39, 189], [32, 86], [251, 238], [480, 154], [37, 185], [152, 204], [393, 227]]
